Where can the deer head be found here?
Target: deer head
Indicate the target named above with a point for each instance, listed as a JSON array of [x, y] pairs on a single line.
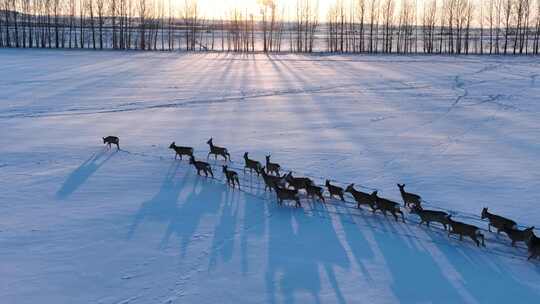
[[484, 212]]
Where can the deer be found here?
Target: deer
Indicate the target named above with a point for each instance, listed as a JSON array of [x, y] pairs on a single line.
[[112, 140], [497, 221], [360, 197], [232, 177], [287, 194], [179, 150], [298, 182], [217, 150], [251, 164], [270, 181], [334, 190], [272, 167], [201, 166], [517, 235], [533, 246], [463, 229], [428, 216], [409, 199], [315, 191], [385, 205]]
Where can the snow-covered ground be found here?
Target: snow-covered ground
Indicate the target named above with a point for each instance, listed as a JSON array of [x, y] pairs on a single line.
[[81, 224]]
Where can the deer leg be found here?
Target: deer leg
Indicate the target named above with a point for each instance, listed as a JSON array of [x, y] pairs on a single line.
[[483, 239], [476, 241], [461, 237], [489, 227], [395, 215], [403, 216], [342, 198], [118, 146]]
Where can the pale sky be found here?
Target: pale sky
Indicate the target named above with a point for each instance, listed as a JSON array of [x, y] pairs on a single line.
[[216, 8]]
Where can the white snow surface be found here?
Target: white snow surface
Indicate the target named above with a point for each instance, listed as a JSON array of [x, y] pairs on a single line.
[[83, 224]]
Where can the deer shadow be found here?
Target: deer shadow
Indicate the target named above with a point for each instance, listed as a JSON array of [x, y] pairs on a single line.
[[224, 232], [417, 277], [181, 202], [487, 278], [295, 255], [80, 175]]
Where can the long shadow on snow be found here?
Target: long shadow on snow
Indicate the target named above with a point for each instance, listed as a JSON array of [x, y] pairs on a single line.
[[295, 254], [224, 231], [417, 278], [357, 242], [485, 277], [183, 215], [80, 175]]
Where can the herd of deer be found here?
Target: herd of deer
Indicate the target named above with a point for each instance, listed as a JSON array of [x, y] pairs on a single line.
[[287, 188]]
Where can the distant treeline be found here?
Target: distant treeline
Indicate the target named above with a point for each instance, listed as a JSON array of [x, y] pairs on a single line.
[[350, 26]]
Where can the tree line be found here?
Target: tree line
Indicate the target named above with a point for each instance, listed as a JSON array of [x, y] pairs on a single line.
[[348, 26]]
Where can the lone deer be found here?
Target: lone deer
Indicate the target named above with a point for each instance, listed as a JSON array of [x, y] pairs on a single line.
[[533, 246], [517, 235], [298, 182], [409, 199], [360, 197], [463, 229], [272, 167], [232, 177], [112, 140], [315, 191], [179, 150], [271, 181], [218, 150], [428, 216], [386, 205], [498, 221], [284, 194], [201, 166], [334, 190]]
